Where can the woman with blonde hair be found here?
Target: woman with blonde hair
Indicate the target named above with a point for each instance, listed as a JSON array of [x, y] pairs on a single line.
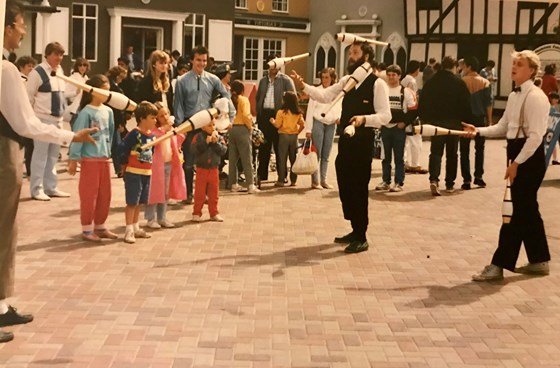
[[156, 86]]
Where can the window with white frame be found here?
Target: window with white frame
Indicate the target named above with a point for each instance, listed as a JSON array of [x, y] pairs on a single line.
[[280, 6], [84, 31], [241, 4], [255, 52], [194, 35]]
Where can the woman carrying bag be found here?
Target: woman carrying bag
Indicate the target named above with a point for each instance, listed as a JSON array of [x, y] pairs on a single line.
[[322, 130]]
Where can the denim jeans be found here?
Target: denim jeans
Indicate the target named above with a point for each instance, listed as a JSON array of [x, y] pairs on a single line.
[[465, 148], [323, 137], [450, 143], [393, 141], [160, 208]]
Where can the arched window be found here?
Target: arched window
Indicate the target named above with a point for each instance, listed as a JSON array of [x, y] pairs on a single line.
[[325, 54], [388, 57], [401, 58]]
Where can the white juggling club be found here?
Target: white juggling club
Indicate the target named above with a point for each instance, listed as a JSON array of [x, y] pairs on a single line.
[[114, 99], [277, 63], [198, 120]]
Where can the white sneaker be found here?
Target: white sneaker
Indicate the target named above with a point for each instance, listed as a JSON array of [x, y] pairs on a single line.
[[489, 273], [140, 233], [316, 186], [236, 188], [396, 188], [217, 218], [41, 197], [383, 186], [434, 188], [253, 189], [537, 269], [326, 185], [166, 224], [58, 193], [129, 237], [196, 218], [153, 224]]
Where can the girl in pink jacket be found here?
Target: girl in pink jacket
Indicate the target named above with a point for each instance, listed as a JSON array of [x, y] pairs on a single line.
[[168, 178]]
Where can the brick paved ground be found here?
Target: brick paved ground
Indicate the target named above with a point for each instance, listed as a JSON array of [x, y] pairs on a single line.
[[268, 288]]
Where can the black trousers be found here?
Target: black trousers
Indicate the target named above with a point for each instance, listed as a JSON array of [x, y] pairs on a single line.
[[353, 172], [451, 145], [270, 140], [526, 224]]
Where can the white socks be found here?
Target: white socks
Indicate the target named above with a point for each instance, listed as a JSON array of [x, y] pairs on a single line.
[[136, 226], [129, 228], [3, 306]]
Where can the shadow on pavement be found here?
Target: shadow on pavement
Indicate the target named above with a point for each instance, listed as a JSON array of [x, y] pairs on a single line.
[[462, 294], [295, 257], [404, 196], [66, 245]]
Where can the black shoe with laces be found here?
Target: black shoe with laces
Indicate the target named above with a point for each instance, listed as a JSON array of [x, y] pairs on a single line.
[[348, 238], [12, 317], [479, 182], [356, 246]]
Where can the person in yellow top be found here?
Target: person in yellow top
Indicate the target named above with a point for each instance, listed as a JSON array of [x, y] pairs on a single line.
[[240, 147], [289, 122]]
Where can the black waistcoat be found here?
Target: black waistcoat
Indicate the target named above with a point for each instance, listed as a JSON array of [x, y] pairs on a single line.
[[359, 101]]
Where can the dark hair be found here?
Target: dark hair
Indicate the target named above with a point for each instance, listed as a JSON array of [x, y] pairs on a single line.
[[431, 60], [367, 50], [123, 60], [490, 63], [80, 61], [175, 54], [201, 50], [144, 110], [422, 65], [553, 95], [115, 71], [381, 66], [98, 80], [290, 103], [237, 89], [472, 62], [25, 60], [394, 68], [13, 9], [331, 72], [448, 62], [550, 69], [54, 47], [412, 66]]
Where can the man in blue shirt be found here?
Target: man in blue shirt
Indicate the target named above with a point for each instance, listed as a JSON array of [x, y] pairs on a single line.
[[194, 93]]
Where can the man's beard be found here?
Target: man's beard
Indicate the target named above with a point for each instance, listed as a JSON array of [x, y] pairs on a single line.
[[352, 67]]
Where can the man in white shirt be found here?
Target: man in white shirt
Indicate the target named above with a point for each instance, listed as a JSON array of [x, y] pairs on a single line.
[[524, 124], [413, 147], [16, 120], [46, 95]]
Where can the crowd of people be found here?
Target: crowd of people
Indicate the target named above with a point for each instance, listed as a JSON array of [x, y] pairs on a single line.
[[169, 90]]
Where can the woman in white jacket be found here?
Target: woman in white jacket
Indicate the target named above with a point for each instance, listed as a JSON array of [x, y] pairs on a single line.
[[321, 129], [72, 93]]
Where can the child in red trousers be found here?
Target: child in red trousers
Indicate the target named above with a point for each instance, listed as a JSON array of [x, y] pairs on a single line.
[[208, 148], [95, 160]]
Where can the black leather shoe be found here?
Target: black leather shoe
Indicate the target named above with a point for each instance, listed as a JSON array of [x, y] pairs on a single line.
[[466, 186], [12, 317], [6, 336], [479, 182], [348, 238], [357, 247]]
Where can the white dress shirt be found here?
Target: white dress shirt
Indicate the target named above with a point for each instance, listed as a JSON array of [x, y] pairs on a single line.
[[380, 103], [15, 106], [535, 119]]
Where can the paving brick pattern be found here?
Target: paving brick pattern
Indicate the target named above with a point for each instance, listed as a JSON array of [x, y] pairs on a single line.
[[269, 288]]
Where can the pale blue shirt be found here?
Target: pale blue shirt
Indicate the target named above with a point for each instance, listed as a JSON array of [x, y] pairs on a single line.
[[194, 93]]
